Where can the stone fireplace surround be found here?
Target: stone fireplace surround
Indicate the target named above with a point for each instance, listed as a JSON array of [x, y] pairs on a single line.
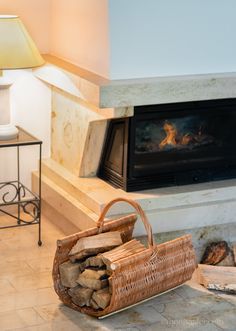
[[81, 109]]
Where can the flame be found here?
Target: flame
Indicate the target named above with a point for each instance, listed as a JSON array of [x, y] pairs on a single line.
[[171, 134], [175, 139]]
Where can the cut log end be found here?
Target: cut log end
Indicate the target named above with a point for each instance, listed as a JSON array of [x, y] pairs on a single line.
[[81, 296], [102, 297], [215, 253], [69, 273]]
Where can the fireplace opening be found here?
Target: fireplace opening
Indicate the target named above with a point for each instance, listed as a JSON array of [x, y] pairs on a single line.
[[171, 144]]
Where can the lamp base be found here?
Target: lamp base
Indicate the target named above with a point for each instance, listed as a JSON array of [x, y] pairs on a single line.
[[8, 132]]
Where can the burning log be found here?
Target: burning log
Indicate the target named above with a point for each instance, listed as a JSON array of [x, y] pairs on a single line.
[[177, 138], [170, 138]]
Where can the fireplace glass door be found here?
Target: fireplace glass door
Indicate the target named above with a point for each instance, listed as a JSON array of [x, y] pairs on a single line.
[[176, 144]]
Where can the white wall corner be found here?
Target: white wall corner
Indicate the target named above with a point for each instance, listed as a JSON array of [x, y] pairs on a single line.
[[56, 77]]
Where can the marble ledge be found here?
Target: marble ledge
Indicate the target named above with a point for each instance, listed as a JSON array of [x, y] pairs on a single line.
[[104, 93], [161, 90]]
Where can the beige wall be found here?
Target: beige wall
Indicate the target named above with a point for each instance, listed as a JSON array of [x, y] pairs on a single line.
[[75, 30], [80, 33], [36, 15]]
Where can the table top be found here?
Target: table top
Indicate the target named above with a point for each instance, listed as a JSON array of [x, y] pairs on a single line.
[[23, 138]]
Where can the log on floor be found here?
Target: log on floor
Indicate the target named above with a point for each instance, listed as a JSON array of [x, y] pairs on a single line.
[[228, 261], [217, 278], [215, 252], [234, 252]]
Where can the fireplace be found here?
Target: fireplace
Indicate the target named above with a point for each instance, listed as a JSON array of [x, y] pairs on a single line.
[[171, 144]]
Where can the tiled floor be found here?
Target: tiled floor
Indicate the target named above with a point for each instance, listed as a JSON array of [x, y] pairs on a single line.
[[28, 301]]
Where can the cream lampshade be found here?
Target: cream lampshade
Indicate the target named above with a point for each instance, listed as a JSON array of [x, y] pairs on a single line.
[[17, 51]]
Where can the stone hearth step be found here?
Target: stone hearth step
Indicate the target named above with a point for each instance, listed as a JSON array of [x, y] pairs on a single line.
[[80, 201], [62, 208], [91, 192], [74, 203]]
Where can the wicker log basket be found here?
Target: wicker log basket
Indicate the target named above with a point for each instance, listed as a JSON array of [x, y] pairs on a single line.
[[142, 276]]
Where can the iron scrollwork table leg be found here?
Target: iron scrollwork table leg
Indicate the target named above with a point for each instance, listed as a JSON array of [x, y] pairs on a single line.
[[40, 207], [14, 193]]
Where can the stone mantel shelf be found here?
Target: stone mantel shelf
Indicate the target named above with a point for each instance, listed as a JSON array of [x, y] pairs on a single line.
[[104, 93]]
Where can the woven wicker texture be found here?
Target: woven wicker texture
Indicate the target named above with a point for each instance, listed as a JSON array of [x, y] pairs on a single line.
[[150, 272]]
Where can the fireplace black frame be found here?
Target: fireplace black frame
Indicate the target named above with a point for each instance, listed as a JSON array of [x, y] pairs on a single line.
[[132, 180]]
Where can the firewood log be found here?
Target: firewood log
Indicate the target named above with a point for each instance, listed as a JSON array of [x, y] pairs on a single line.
[[93, 274], [95, 284], [93, 245], [234, 253], [94, 261], [215, 252], [69, 273], [121, 252], [217, 278], [93, 279], [93, 304], [81, 296], [102, 297], [228, 261]]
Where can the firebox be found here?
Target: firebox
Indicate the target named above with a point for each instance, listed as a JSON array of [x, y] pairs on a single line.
[[171, 144]]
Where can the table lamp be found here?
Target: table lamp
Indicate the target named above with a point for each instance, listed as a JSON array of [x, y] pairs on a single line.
[[17, 51]]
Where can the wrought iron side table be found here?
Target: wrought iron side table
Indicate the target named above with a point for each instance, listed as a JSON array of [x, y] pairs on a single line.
[[15, 193]]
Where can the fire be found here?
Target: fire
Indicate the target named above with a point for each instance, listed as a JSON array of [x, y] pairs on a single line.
[[174, 139], [171, 134]]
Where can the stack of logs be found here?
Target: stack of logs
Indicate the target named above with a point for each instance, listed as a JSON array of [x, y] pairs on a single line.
[[92, 261], [217, 270]]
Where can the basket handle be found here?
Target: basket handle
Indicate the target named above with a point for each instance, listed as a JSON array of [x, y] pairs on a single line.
[[140, 211]]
